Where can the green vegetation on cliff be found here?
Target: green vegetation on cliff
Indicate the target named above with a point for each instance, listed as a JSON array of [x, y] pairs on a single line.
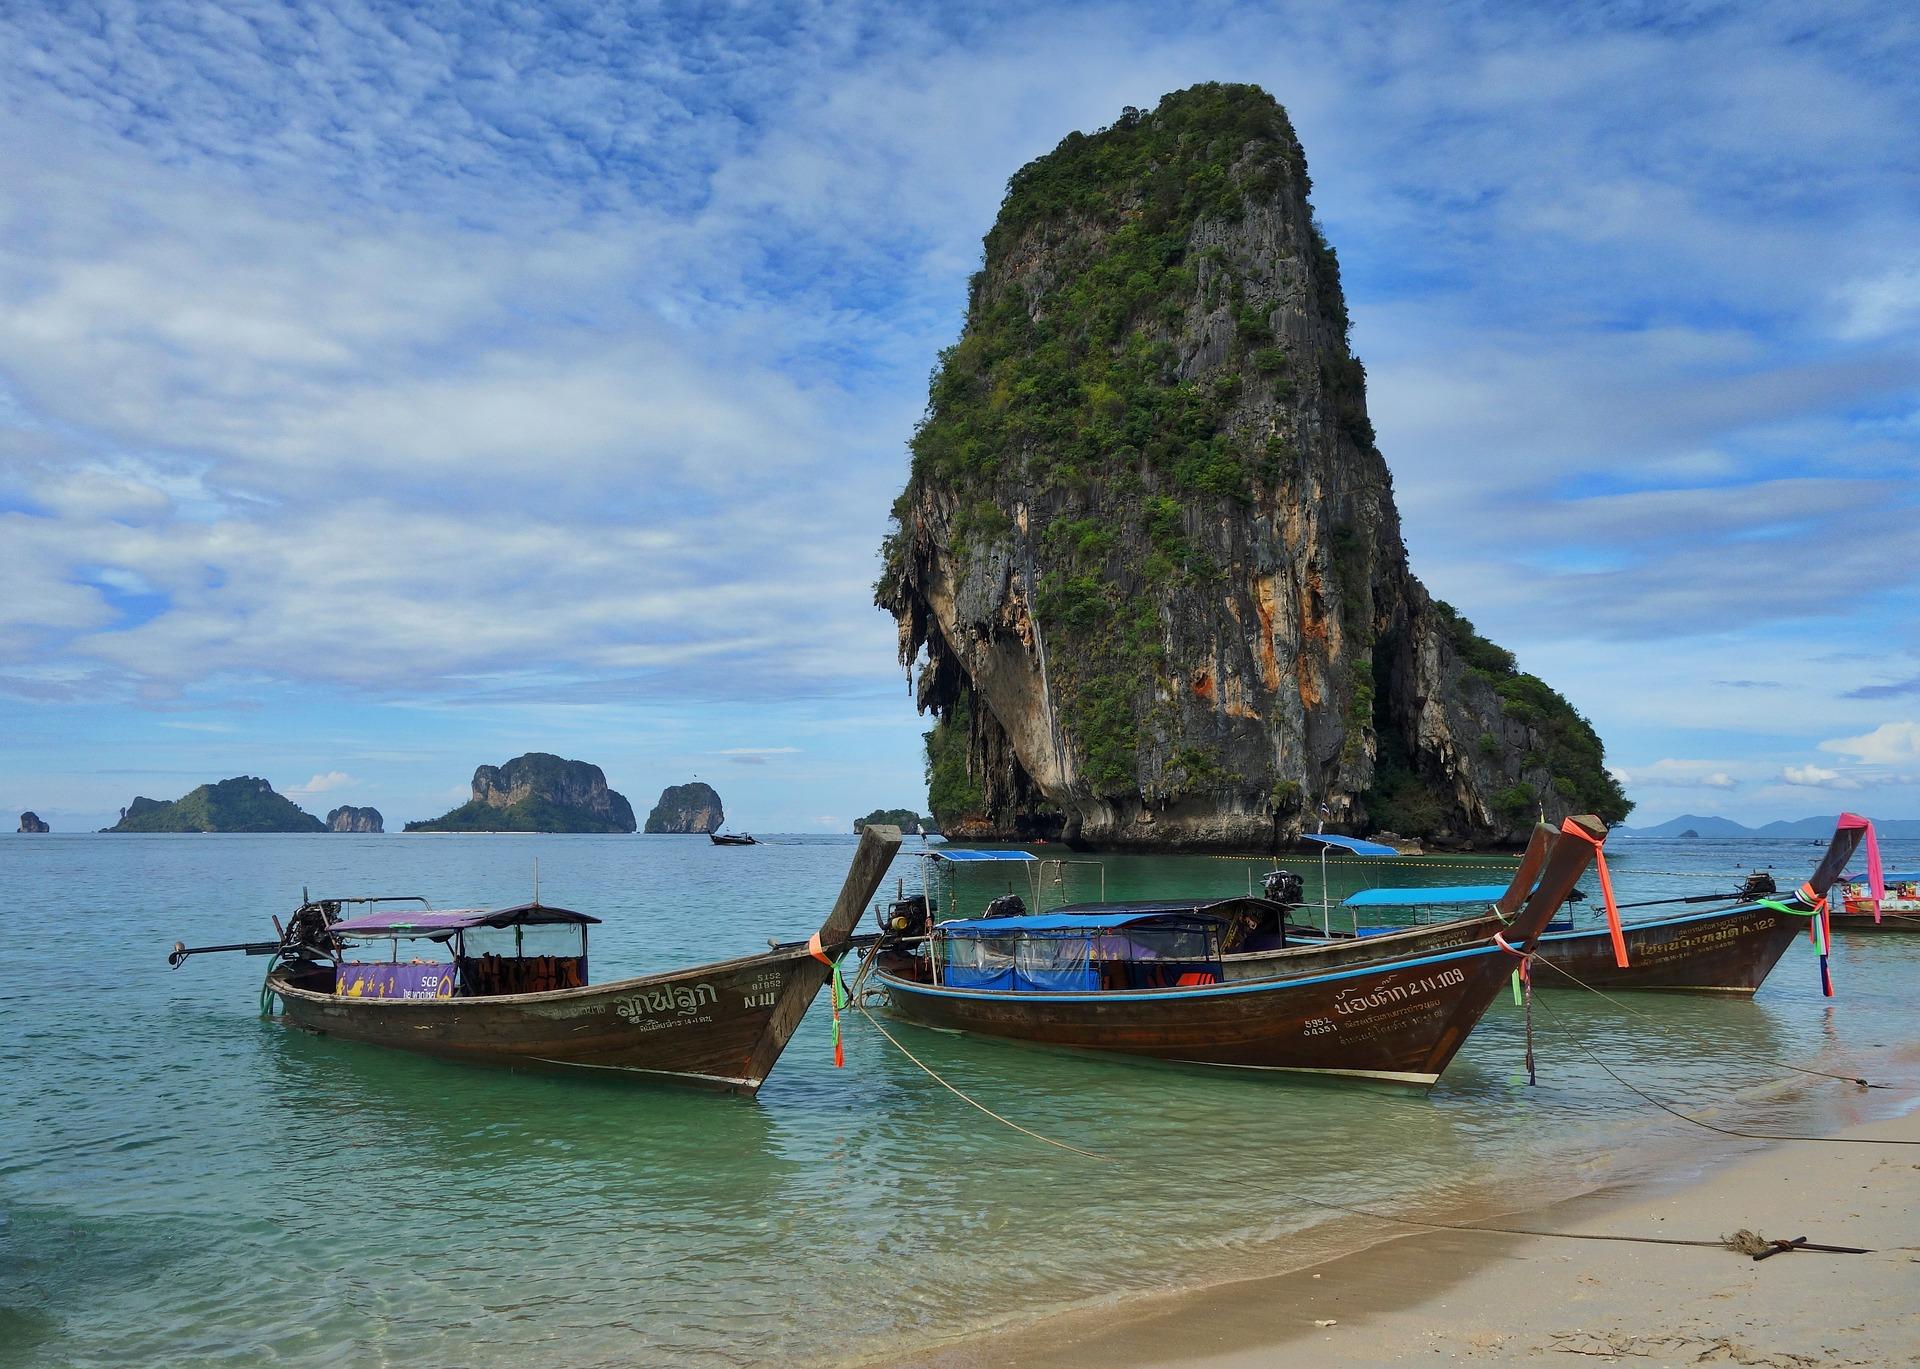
[[952, 794], [242, 804], [531, 814], [905, 819], [1083, 385]]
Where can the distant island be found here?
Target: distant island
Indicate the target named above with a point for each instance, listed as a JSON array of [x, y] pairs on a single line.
[[245, 803], [1692, 827], [537, 792], [31, 822], [347, 818], [909, 822], [686, 808]]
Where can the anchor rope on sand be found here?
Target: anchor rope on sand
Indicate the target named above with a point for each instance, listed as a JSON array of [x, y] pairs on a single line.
[[1740, 1241]]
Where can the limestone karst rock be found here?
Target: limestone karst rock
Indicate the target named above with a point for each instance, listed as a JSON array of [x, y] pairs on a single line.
[[32, 822], [347, 818], [1149, 547], [245, 803], [691, 807], [537, 792]]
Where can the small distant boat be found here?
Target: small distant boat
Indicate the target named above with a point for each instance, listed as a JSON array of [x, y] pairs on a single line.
[[514, 990], [1899, 911], [1154, 979], [732, 839]]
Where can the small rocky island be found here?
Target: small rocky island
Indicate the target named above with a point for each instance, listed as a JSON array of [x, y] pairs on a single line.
[[1147, 562], [684, 808], [245, 803], [347, 818], [31, 822], [910, 823], [537, 792]]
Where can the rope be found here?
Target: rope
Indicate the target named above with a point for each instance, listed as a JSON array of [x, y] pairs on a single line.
[[934, 1075], [1730, 1131], [1723, 1243], [1649, 1017]]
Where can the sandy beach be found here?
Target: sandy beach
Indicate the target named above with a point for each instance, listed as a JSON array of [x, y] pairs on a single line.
[[1454, 1295]]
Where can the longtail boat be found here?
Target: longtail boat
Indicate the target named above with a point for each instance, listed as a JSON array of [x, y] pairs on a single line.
[[1153, 980], [1897, 910], [514, 989], [1726, 950]]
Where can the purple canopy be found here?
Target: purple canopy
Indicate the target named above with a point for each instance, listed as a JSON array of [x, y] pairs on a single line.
[[430, 921]]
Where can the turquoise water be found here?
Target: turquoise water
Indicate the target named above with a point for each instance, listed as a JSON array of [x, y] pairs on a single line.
[[182, 1181]]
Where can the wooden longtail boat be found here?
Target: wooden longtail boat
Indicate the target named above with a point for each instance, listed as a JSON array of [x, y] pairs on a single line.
[[719, 1026], [732, 839], [1154, 984], [1899, 910], [1721, 950]]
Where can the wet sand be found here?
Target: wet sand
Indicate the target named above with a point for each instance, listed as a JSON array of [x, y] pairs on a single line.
[[1452, 1295]]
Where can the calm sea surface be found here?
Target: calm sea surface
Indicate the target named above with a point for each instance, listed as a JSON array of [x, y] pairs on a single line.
[[181, 1180]]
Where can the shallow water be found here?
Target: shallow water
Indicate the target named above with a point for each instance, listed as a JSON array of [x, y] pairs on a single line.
[[184, 1181]]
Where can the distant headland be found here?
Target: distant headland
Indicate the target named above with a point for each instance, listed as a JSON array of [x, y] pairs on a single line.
[[909, 822], [537, 792], [1692, 826], [245, 803], [32, 822]]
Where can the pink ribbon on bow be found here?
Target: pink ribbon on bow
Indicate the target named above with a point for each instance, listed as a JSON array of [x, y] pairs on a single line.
[[1876, 873]]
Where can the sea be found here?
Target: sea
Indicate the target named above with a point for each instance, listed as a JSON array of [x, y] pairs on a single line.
[[185, 1181]]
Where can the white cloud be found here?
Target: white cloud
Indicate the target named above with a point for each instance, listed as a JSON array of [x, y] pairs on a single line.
[[1894, 743], [1816, 777], [1672, 773]]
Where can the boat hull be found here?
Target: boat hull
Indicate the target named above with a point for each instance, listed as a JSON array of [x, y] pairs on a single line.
[[1900, 921], [1402, 1020], [718, 1026], [1731, 951]]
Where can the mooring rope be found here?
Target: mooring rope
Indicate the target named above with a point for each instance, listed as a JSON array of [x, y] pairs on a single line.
[[1757, 1059], [1739, 1241], [1730, 1131]]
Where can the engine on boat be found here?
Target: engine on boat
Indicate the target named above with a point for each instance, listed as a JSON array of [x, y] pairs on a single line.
[[1007, 905], [1283, 887], [1759, 885], [907, 917]]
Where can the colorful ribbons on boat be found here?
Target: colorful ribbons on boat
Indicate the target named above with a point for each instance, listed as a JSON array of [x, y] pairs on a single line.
[[1571, 828], [1819, 927], [1522, 997], [1876, 873]]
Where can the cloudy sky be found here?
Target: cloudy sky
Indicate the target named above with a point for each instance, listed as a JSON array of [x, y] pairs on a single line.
[[385, 389]]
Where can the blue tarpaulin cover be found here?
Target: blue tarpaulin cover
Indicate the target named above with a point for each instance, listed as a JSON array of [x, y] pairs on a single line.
[[1353, 844], [1445, 895], [1892, 877], [1042, 922]]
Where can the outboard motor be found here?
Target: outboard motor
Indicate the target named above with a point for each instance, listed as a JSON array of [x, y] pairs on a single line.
[[1759, 885], [1007, 905], [907, 917], [1283, 887]]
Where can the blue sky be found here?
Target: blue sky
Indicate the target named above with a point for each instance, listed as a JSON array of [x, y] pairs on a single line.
[[388, 389]]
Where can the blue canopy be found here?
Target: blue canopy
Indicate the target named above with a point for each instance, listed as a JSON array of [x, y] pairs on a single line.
[[1442, 896], [944, 854], [1048, 922], [1353, 844], [1891, 877]]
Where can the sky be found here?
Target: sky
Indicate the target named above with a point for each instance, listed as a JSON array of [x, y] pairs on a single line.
[[387, 389]]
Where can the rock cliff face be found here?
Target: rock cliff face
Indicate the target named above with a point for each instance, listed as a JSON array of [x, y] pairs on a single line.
[[31, 822], [537, 792], [245, 803], [350, 819], [691, 807], [1149, 547]]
